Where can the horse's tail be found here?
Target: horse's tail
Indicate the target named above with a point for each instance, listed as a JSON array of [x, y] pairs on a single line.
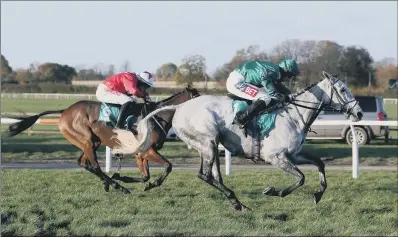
[[26, 122], [127, 143], [155, 112]]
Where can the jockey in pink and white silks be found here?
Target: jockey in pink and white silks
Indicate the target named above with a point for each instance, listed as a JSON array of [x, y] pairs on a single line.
[[246, 82]]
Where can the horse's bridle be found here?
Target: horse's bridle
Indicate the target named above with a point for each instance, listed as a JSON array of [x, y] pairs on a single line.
[[343, 104], [323, 107]]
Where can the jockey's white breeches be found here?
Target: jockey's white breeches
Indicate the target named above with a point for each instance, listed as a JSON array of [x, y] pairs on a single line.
[[108, 96], [237, 86]]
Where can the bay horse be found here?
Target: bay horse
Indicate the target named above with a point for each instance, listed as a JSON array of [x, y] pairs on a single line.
[[80, 126]]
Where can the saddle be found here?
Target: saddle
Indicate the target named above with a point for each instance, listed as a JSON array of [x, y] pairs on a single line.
[[270, 109], [263, 118], [109, 113], [234, 97]]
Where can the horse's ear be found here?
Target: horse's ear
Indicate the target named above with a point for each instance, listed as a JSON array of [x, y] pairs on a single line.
[[325, 74], [188, 87]]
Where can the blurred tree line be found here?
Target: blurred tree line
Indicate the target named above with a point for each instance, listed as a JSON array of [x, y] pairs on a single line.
[[354, 64]]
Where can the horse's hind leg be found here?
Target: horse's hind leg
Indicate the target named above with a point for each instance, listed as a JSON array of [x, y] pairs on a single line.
[[212, 175], [284, 163], [72, 136], [321, 170], [89, 150], [82, 161]]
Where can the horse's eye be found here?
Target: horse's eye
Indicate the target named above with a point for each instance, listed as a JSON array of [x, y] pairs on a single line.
[[342, 90]]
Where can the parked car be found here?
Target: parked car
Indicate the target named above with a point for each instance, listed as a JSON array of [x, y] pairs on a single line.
[[373, 109]]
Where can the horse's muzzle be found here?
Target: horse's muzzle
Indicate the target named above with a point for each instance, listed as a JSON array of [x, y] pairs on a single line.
[[359, 115]]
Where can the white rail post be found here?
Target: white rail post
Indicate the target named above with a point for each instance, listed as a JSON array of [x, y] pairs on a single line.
[[355, 155], [108, 160], [227, 162]]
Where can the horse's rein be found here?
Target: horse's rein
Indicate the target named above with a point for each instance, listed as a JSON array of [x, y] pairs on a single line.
[[156, 120], [322, 107]]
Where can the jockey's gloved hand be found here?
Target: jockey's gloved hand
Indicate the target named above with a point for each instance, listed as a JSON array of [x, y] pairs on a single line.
[[146, 97], [289, 98], [280, 97], [151, 104]]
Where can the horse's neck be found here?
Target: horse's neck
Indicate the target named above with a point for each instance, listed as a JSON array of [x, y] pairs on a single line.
[[314, 96], [164, 118], [173, 100]]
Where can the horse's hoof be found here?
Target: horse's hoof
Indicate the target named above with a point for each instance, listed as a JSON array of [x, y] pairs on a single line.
[[245, 209], [148, 187], [115, 185], [237, 207], [241, 207], [106, 187], [270, 191], [115, 176], [126, 191], [317, 197]]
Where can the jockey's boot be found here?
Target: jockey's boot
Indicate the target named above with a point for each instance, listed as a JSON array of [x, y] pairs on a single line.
[[132, 124], [243, 118], [125, 111]]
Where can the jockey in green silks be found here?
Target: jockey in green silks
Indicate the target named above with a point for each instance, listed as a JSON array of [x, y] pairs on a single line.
[[246, 82]]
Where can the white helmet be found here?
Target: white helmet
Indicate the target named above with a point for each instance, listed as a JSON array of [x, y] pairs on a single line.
[[146, 77]]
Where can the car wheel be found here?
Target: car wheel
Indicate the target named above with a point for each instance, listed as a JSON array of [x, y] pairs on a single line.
[[361, 136]]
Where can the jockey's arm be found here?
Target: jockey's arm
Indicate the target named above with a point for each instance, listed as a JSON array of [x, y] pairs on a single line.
[[282, 88], [130, 84], [268, 83]]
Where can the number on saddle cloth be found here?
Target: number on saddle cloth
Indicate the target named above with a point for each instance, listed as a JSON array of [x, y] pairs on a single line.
[[109, 113], [265, 122]]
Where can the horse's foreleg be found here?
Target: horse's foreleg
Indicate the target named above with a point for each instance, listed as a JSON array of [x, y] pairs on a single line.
[[210, 173], [154, 156], [283, 163], [144, 168], [321, 170]]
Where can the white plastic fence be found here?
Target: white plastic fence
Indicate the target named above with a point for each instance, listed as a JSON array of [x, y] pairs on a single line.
[[390, 101]]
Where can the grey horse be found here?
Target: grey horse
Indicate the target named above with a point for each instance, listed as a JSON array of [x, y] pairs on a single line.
[[206, 121]]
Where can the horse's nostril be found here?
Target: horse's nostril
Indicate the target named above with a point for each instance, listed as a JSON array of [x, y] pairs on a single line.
[[359, 115]]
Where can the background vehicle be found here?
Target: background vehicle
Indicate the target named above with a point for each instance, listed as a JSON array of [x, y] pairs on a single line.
[[373, 109]]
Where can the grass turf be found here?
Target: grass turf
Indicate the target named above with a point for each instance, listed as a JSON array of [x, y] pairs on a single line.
[[73, 203]]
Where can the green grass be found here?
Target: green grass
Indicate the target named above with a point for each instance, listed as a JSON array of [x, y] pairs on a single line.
[[73, 203], [51, 147], [392, 111], [34, 105]]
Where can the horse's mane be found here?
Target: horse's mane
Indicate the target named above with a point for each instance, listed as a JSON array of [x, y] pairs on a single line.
[[171, 97], [306, 89]]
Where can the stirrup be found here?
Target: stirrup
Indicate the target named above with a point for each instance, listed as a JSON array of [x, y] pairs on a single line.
[[241, 125]]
